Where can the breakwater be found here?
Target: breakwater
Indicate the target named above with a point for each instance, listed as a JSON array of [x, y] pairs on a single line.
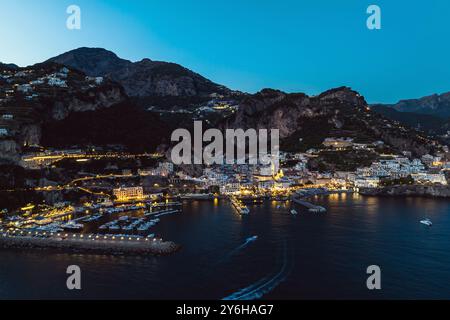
[[95, 244]]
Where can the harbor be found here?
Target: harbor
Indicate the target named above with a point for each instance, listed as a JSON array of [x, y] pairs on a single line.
[[208, 253], [121, 229]]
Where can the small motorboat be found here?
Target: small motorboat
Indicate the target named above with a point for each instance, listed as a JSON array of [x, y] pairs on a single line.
[[244, 211], [294, 212], [250, 239], [426, 222]]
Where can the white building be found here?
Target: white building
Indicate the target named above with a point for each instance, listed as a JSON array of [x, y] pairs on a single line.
[[367, 182], [56, 82], [301, 166], [165, 168], [427, 159], [300, 156], [213, 177], [37, 82], [430, 178], [283, 183], [360, 146], [97, 80], [266, 171], [25, 88], [396, 168], [20, 74], [231, 187], [64, 70], [364, 172], [31, 97], [272, 169], [265, 185]]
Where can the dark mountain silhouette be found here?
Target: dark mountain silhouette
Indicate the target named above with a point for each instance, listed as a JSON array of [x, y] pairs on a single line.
[[431, 124], [61, 107], [305, 121], [8, 66], [145, 78], [436, 105]]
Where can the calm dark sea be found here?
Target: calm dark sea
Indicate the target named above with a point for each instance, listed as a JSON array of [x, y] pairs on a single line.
[[307, 256]]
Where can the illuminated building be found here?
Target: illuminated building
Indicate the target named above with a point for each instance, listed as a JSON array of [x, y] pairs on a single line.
[[367, 182], [131, 193], [430, 178], [338, 143]]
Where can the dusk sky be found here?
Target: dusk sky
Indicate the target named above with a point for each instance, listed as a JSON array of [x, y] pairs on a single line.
[[295, 46]]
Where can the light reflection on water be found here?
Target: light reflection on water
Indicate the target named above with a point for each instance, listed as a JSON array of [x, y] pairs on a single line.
[[330, 254]]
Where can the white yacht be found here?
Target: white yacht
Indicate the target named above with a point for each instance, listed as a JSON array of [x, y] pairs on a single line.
[[251, 239], [426, 222]]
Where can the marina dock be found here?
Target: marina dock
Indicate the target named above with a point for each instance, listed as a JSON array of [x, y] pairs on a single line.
[[165, 204], [296, 198], [239, 206], [162, 213]]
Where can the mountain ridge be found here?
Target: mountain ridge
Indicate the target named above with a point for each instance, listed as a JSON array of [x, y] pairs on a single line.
[[142, 78], [305, 121], [79, 109], [9, 66], [434, 104]]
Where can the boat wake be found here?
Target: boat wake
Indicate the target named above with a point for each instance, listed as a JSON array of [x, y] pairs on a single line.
[[238, 249], [248, 290], [258, 289], [242, 246]]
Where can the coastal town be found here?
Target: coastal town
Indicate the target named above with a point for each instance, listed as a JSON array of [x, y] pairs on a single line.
[[224, 159], [115, 204], [112, 196]]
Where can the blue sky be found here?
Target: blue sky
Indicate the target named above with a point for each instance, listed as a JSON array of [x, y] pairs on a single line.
[[295, 46]]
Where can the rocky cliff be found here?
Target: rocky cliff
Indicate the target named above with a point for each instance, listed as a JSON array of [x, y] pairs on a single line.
[[304, 121], [32, 97], [86, 103]]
